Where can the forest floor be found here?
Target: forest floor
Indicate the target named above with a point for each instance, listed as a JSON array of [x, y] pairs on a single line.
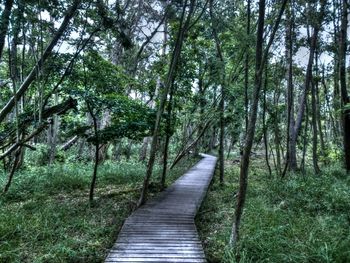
[[46, 217], [302, 218]]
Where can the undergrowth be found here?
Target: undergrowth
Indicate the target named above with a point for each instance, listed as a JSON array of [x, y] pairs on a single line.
[[302, 218], [46, 217]]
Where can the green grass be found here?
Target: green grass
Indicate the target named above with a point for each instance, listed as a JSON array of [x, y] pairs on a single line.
[[298, 219], [46, 217]]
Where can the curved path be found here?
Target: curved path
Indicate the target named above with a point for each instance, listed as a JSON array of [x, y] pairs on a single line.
[[163, 230]]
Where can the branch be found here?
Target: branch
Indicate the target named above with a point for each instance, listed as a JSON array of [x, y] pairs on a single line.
[[34, 73], [23, 141], [189, 147], [28, 118]]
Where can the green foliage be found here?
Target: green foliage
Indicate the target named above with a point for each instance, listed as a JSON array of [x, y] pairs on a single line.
[[299, 219]]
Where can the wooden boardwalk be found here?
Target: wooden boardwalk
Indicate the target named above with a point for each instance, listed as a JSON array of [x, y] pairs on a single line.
[[163, 230]]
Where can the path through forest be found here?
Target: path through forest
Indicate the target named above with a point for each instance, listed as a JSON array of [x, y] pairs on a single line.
[[163, 230]]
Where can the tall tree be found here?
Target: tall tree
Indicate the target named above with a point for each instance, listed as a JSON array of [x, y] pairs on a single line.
[[222, 81], [291, 161], [308, 80], [343, 86], [184, 25], [260, 60], [4, 23]]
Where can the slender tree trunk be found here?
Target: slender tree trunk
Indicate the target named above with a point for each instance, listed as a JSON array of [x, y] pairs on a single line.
[[143, 150], [291, 160], [308, 77], [318, 106], [306, 137], [13, 170], [81, 149], [202, 105], [53, 133], [128, 150], [246, 68], [337, 99], [265, 128], [184, 24], [260, 59], [14, 73], [243, 179], [333, 129], [223, 84], [96, 157], [67, 145], [167, 139], [314, 128], [276, 130], [343, 87], [4, 23]]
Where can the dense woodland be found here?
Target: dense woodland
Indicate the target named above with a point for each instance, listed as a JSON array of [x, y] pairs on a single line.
[[104, 103]]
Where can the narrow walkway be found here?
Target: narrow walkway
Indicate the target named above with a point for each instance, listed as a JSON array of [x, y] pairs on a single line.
[[163, 230]]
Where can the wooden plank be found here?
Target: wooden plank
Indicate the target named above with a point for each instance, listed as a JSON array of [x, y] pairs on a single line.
[[163, 230]]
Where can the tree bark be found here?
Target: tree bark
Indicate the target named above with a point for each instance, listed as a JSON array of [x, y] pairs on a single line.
[[69, 143], [5, 19], [314, 128], [143, 150], [246, 68], [222, 84], [96, 158], [343, 86], [266, 146], [276, 129], [291, 160], [167, 138], [13, 170], [53, 134]]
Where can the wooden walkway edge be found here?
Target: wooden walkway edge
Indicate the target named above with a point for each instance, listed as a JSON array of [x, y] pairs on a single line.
[[163, 230]]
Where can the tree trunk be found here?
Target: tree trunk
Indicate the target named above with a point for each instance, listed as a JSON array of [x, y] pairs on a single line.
[[260, 59], [66, 146], [52, 135], [276, 129], [5, 19], [343, 87], [13, 170], [168, 132], [243, 178], [96, 157], [291, 160], [308, 77], [306, 137], [265, 127], [143, 150], [314, 128], [184, 24], [246, 68], [222, 84], [128, 150]]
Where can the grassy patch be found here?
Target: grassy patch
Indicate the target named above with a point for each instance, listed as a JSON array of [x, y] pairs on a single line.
[[45, 216], [298, 219]]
